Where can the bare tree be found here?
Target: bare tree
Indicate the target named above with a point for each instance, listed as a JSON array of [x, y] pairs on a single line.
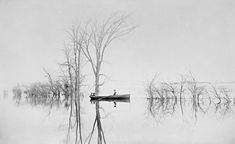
[[151, 88], [181, 91], [98, 37], [17, 92], [73, 64]]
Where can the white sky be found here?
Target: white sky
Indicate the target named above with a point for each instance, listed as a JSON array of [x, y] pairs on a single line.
[[172, 38]]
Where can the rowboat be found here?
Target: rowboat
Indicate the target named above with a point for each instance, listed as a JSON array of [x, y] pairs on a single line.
[[123, 96], [125, 100]]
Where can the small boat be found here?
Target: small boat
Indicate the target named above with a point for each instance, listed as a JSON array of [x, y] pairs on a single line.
[[123, 96], [125, 100]]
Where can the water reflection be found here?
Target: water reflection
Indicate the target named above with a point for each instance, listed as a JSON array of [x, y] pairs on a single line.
[[160, 108], [223, 108], [114, 101], [189, 96], [42, 94], [167, 103], [97, 124], [74, 121]]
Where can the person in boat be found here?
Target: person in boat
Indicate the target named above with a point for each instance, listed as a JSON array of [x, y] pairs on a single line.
[[114, 92]]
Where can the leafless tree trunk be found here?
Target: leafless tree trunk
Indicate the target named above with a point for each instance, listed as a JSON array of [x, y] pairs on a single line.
[[73, 64], [182, 83], [77, 41], [151, 88], [98, 37]]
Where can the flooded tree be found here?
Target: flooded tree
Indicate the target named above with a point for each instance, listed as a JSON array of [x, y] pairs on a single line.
[[163, 97], [182, 92], [151, 88], [73, 78], [17, 93], [67, 85], [5, 94], [90, 42], [98, 38], [40, 94]]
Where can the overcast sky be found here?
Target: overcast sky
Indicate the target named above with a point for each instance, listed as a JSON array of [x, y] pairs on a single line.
[[172, 38]]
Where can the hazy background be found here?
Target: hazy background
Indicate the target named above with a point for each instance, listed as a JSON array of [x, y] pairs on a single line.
[[172, 38]]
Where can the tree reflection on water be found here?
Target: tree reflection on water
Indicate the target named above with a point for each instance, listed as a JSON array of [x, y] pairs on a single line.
[[160, 108], [197, 100], [38, 95], [168, 100], [189, 96], [97, 123]]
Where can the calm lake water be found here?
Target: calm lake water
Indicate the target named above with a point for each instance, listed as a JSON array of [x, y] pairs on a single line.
[[140, 121]]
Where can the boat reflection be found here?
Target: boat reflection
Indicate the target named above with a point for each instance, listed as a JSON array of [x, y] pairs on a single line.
[[115, 101], [93, 101]]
